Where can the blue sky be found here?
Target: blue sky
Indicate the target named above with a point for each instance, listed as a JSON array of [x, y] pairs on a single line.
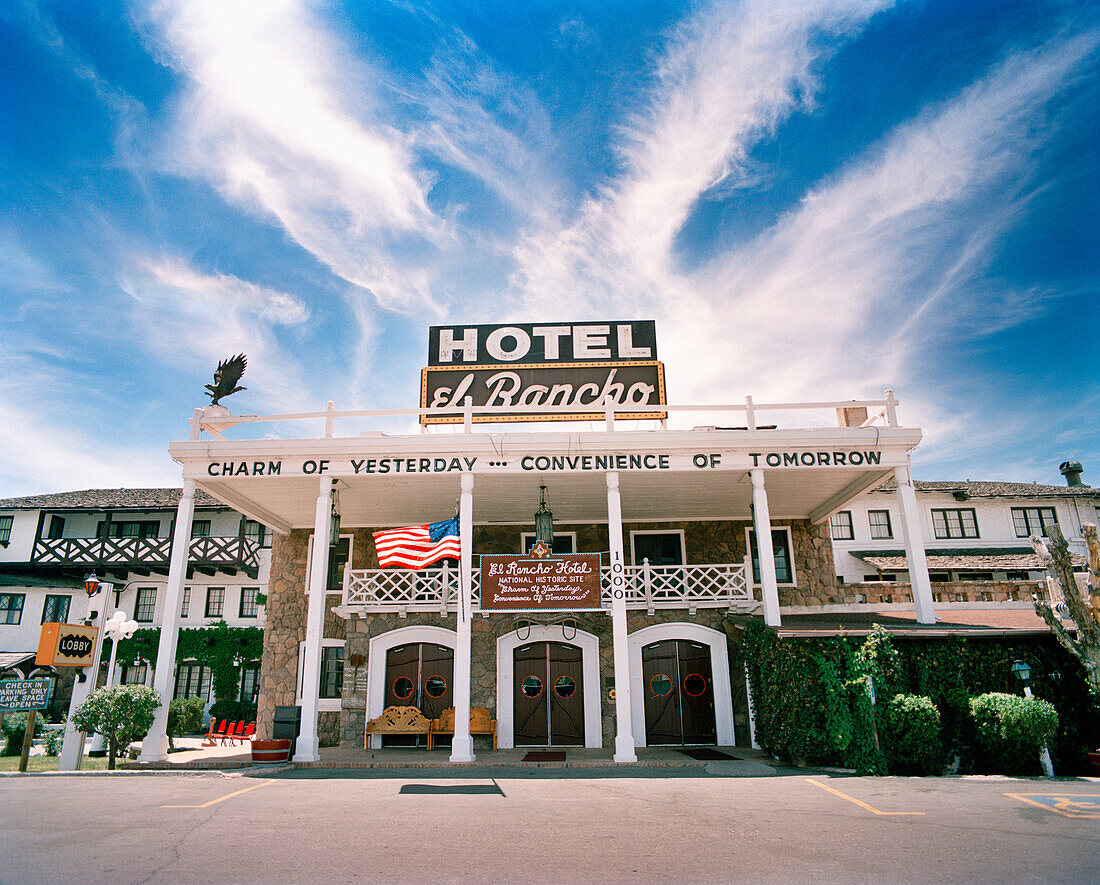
[[815, 200]]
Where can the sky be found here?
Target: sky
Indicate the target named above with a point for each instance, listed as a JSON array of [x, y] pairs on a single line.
[[815, 200]]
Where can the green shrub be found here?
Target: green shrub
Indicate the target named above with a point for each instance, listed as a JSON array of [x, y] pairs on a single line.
[[909, 729], [233, 711], [184, 716], [55, 737], [122, 713], [15, 727], [1010, 731]]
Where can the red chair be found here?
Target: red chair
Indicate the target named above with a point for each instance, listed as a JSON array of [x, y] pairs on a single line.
[[227, 735], [238, 735], [248, 730]]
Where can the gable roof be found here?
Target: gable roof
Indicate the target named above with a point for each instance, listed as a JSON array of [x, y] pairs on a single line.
[[986, 489], [108, 499]]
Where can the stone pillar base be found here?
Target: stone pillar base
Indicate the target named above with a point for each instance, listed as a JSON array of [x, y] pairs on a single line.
[[154, 749], [462, 749], [305, 750], [624, 749]]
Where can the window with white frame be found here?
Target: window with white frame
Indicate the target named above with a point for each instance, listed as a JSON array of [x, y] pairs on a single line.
[[1030, 521], [215, 601], [248, 607], [255, 531], [955, 523], [564, 542], [56, 609], [57, 527], [193, 680], [134, 674], [185, 603], [5, 530], [330, 687], [200, 528], [840, 525], [879, 521], [781, 549], [660, 548], [139, 528], [11, 607], [250, 683], [146, 607]]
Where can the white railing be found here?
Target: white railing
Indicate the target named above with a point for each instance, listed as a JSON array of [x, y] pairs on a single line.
[[215, 419], [649, 587]]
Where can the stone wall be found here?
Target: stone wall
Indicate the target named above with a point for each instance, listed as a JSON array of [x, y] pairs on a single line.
[[705, 542], [879, 592]]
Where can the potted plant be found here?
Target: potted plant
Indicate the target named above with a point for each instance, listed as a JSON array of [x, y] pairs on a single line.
[[1094, 760], [265, 752]]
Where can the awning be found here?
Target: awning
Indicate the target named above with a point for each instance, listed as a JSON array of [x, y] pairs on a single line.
[[9, 659], [989, 622], [1022, 559]]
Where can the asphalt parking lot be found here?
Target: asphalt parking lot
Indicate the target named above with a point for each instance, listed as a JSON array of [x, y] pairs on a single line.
[[413, 827]]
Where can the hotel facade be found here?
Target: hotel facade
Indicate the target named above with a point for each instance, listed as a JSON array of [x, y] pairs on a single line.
[[695, 531]]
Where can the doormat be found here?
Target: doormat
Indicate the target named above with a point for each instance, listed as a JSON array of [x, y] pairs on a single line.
[[544, 756], [706, 754]]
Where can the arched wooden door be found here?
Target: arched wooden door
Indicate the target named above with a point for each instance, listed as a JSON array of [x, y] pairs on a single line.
[[549, 695], [679, 693], [421, 675]]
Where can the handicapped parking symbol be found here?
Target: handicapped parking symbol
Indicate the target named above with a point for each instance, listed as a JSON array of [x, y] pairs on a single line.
[[1078, 805]]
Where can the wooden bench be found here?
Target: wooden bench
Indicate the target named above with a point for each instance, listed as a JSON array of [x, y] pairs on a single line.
[[481, 722], [400, 720]]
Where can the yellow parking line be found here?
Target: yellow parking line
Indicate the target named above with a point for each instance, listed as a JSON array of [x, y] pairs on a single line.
[[854, 801], [1065, 804], [223, 798]]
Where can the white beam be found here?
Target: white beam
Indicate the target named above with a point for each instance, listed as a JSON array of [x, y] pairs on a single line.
[[154, 748], [307, 746], [624, 737], [914, 547], [769, 586], [462, 745]]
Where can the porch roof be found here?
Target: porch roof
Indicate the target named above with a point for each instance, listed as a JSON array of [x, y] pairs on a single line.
[[676, 475]]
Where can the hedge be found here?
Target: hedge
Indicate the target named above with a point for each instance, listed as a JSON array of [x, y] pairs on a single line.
[[1010, 732]]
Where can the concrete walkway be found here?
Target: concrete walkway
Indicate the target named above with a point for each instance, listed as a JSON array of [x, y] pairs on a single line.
[[743, 762]]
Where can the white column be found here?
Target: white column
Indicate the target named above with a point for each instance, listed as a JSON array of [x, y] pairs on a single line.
[[155, 746], [306, 748], [762, 523], [462, 745], [624, 736], [914, 547]]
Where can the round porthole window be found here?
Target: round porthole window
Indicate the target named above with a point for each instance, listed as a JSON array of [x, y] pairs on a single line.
[[403, 688], [565, 687], [694, 685], [531, 686], [660, 685], [435, 686]]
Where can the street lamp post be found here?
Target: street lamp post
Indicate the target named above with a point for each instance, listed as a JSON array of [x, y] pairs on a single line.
[[117, 628], [1022, 671]]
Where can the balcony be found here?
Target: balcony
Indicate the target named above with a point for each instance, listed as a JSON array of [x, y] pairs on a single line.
[[726, 586], [209, 554]]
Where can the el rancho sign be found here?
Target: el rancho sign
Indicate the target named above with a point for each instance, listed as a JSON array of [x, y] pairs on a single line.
[[540, 581], [570, 368]]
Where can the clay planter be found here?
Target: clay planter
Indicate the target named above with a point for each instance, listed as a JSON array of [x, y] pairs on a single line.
[[1094, 758], [267, 752]]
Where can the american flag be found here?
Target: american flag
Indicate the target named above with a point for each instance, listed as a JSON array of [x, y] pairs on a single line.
[[417, 546]]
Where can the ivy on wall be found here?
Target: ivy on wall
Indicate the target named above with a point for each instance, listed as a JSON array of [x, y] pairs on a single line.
[[812, 704], [218, 647]]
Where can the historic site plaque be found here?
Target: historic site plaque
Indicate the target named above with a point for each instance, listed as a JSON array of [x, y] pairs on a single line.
[[540, 583]]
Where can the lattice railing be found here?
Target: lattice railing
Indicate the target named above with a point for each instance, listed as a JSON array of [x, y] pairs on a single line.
[[691, 587], [211, 552]]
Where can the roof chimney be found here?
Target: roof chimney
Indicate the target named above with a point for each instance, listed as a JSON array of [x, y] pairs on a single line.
[[851, 416], [1071, 470]]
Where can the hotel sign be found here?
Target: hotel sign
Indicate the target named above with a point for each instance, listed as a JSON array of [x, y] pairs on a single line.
[[66, 645], [24, 694], [540, 583], [574, 366]]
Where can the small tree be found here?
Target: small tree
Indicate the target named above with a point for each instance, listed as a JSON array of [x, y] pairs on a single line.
[[184, 717], [121, 714], [1086, 645]]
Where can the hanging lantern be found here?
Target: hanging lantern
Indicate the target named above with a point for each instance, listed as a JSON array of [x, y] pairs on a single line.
[[544, 520], [91, 585], [334, 526]]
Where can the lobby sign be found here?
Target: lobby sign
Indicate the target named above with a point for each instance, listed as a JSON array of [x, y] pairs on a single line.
[[574, 366], [24, 694], [535, 583], [66, 645]]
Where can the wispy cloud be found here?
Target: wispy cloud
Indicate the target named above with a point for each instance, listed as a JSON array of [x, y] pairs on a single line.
[[282, 119]]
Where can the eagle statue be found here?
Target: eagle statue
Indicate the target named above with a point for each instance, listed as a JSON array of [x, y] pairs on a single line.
[[226, 376]]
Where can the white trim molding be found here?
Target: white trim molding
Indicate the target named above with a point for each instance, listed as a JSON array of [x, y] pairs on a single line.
[[590, 671], [719, 670], [376, 663], [640, 532]]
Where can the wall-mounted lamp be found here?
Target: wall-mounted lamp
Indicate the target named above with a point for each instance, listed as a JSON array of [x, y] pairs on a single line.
[[334, 526], [91, 585]]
